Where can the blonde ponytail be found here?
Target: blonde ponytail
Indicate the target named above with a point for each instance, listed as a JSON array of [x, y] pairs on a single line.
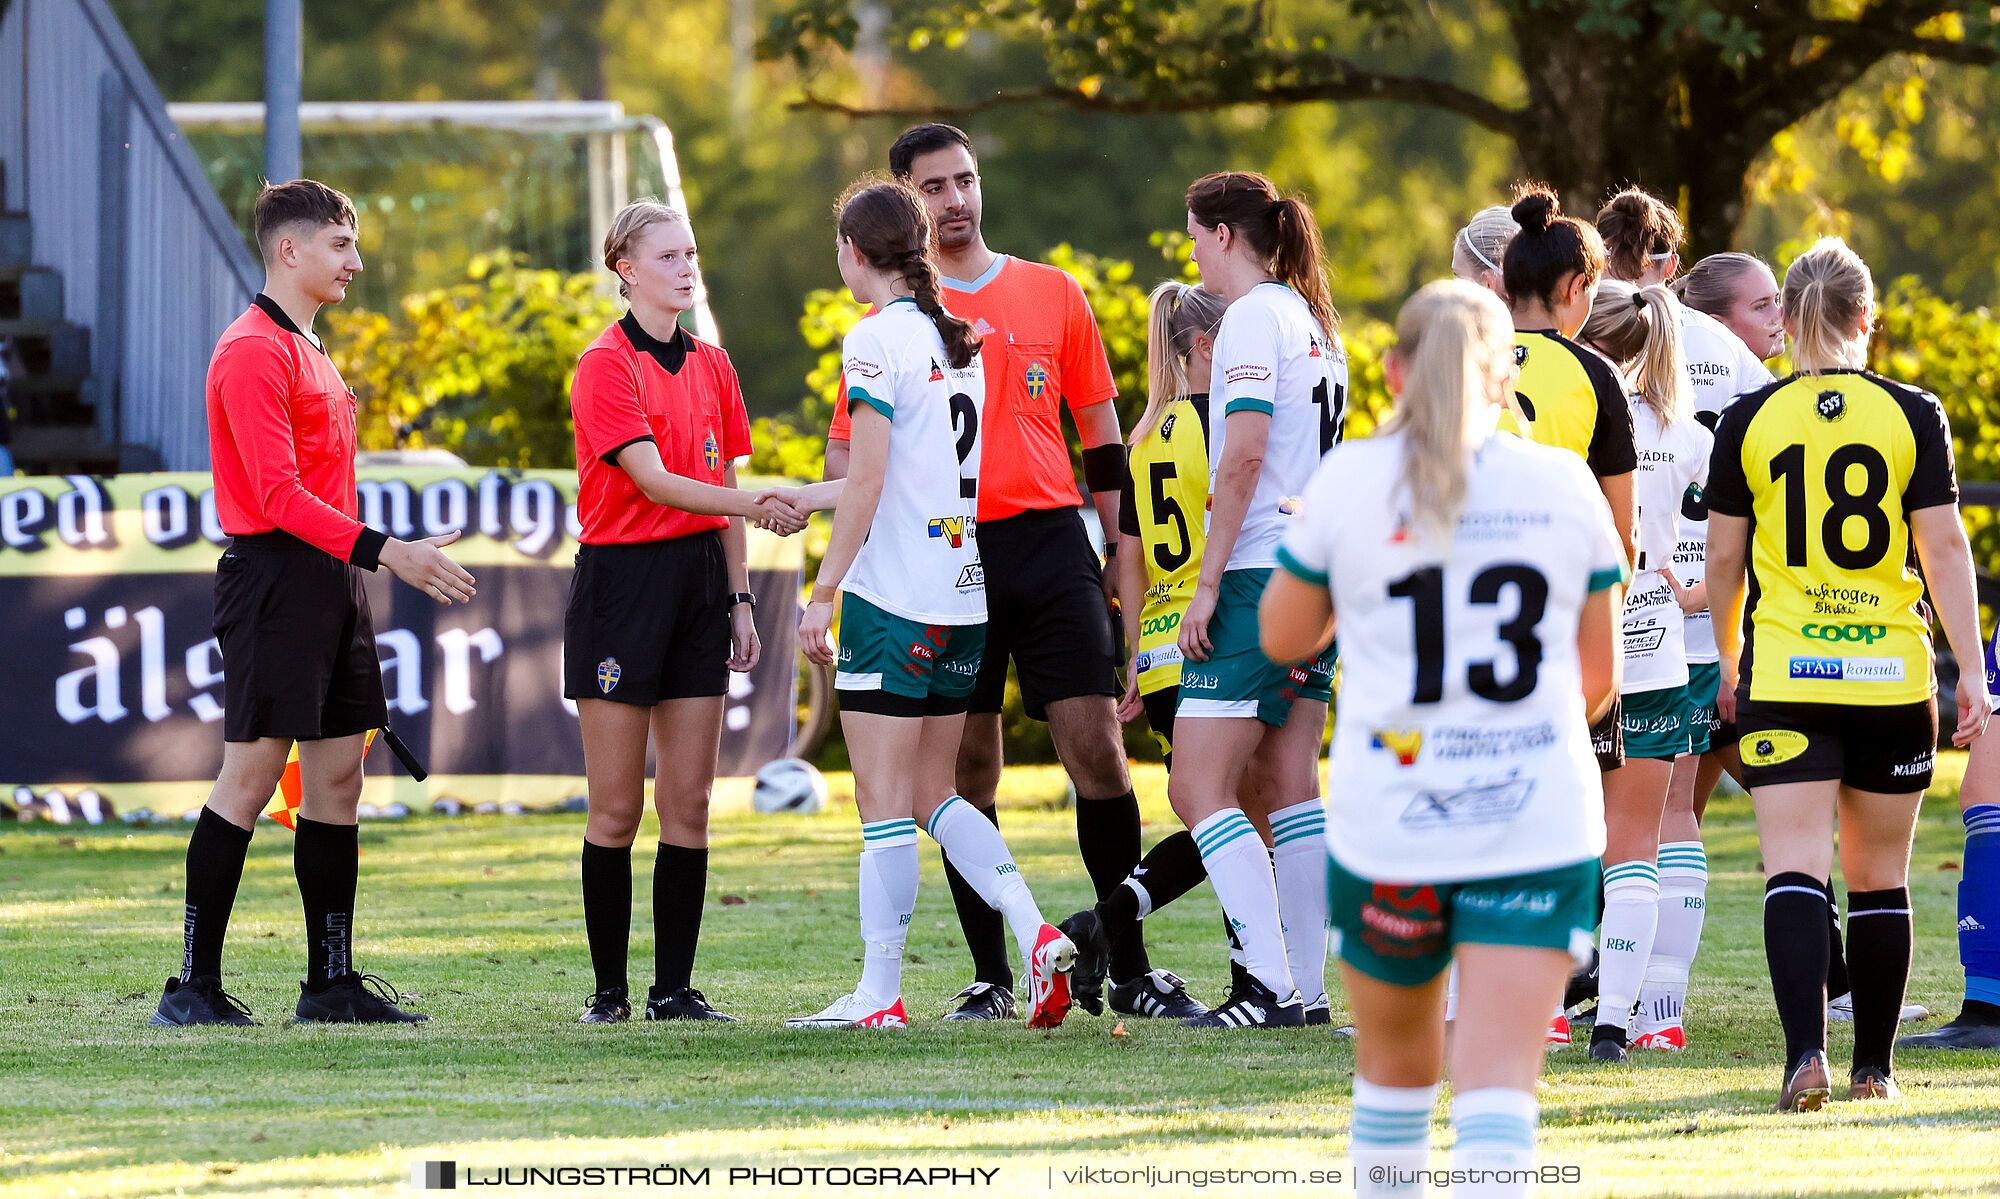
[[1176, 313], [1454, 342], [1828, 290], [1663, 374]]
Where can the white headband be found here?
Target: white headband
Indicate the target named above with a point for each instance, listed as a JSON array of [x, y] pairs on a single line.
[[1662, 257], [1465, 235]]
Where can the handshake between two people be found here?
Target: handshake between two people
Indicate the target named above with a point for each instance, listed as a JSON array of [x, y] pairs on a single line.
[[786, 510]]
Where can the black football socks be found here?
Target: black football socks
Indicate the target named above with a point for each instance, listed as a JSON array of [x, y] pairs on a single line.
[[1107, 833], [327, 860], [1795, 945], [607, 911], [215, 856], [680, 879], [1878, 945]]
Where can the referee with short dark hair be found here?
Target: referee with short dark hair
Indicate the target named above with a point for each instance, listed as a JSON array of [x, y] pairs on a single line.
[[298, 643]]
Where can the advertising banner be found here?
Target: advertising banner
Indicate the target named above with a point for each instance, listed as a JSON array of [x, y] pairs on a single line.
[[112, 675]]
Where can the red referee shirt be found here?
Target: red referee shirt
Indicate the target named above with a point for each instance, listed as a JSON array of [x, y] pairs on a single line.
[[281, 438], [680, 394]]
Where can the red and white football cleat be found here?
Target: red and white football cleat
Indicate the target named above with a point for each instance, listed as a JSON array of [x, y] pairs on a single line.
[[1048, 978]]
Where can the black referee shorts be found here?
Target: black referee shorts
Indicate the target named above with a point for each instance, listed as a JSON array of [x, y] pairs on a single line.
[[1045, 611], [298, 643], [648, 621]]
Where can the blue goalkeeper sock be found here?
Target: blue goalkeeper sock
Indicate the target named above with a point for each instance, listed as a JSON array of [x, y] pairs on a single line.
[[1979, 904]]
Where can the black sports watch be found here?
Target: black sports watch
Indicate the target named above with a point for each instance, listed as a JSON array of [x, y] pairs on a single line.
[[743, 597]]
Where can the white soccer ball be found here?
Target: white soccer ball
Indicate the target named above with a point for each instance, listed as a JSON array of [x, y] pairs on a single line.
[[789, 785]]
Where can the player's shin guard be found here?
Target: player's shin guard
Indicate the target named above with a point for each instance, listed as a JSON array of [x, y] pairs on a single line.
[[988, 866], [1796, 947], [1391, 1136], [1240, 872], [215, 856], [985, 934], [1878, 953], [326, 859], [888, 900], [1299, 863], [1683, 909], [1979, 904], [1625, 942], [1496, 1142]]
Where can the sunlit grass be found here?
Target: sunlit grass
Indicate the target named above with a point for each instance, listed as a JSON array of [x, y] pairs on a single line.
[[480, 916]]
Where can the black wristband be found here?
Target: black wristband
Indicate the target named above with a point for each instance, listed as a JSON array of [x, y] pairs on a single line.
[[742, 597], [1104, 467]]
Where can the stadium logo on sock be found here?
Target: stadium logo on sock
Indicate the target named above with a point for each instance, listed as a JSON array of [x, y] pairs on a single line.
[[608, 674], [1406, 744]]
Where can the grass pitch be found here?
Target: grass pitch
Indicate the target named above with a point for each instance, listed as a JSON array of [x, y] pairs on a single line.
[[481, 917]]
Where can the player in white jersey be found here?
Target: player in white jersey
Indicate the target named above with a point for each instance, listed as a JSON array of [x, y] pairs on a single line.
[[1650, 932], [1278, 396], [1474, 576], [1478, 249], [905, 552]]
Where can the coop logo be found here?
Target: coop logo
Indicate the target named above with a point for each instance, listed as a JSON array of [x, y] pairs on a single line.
[[608, 673], [951, 528], [711, 453], [1037, 379], [1845, 632]]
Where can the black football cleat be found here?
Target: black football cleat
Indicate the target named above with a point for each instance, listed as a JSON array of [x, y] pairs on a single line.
[[682, 1003], [201, 1000], [1609, 1047], [1158, 995], [1582, 985], [984, 1001], [1962, 1033], [354, 999], [1085, 930], [1253, 1005], [609, 1006]]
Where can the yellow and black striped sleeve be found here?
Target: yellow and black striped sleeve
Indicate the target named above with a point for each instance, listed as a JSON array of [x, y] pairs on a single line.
[[1614, 445]]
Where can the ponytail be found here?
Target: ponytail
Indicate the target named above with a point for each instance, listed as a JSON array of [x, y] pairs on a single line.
[[1828, 291], [1299, 262], [1455, 343], [888, 223], [1639, 325], [1549, 248], [1663, 373], [1281, 229], [1711, 285], [1176, 313], [1639, 229]]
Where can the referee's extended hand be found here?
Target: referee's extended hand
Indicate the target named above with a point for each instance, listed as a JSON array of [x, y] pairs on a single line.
[[423, 565], [778, 511]]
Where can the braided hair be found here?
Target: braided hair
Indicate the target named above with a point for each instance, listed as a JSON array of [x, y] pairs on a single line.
[[888, 223]]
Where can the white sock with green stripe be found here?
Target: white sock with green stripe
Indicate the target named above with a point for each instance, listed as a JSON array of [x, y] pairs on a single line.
[[1299, 861], [1241, 873], [888, 901], [1625, 940], [1496, 1133], [976, 847], [1683, 908], [1391, 1133]]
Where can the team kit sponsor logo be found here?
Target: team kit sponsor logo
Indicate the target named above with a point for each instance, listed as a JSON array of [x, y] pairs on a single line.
[[1453, 743], [1482, 803], [1773, 747], [1852, 670], [1866, 633], [1403, 922], [1536, 902], [1644, 640], [1246, 372], [1166, 655], [1829, 600], [973, 575], [1406, 744], [953, 529], [1167, 426]]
